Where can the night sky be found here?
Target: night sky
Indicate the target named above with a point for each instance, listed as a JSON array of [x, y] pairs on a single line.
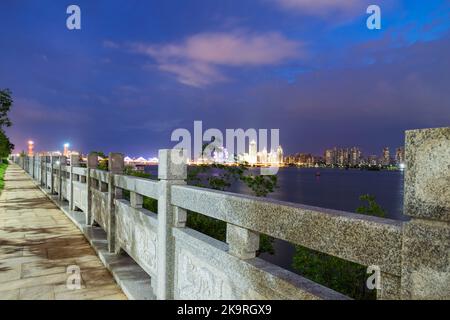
[[137, 70]]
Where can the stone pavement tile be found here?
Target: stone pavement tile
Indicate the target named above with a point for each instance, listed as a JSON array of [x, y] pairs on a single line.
[[67, 252], [33, 281], [8, 273], [9, 251], [37, 293], [37, 244], [36, 269], [96, 277], [9, 295], [12, 261], [39, 250]]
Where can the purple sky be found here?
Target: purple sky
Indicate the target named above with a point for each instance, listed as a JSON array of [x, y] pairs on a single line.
[[138, 70]]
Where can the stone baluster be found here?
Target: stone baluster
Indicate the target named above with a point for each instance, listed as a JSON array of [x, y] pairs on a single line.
[[426, 237], [92, 163], [74, 162], [243, 243], [61, 174], [116, 165], [172, 170]]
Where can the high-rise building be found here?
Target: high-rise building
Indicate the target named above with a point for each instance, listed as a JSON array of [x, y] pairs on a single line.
[[252, 152], [400, 156], [385, 157], [263, 156], [372, 160], [280, 155], [355, 156], [330, 156]]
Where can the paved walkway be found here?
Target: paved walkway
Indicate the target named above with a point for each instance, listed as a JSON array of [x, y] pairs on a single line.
[[37, 244]]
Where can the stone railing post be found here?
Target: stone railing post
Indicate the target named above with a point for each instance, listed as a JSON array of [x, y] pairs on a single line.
[[116, 165], [74, 162], [92, 163], [32, 166], [172, 170], [45, 158], [61, 173], [53, 160], [426, 237], [243, 243], [40, 170]]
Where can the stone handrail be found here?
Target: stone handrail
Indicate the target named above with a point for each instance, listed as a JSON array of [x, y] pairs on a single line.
[[362, 239], [412, 257]]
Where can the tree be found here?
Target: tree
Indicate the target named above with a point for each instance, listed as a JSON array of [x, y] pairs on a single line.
[[5, 105], [341, 275], [5, 145], [372, 208]]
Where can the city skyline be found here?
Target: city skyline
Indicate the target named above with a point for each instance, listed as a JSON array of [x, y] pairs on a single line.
[[316, 73], [353, 156]]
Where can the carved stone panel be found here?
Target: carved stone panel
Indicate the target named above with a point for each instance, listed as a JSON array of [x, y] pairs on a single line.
[[198, 280]]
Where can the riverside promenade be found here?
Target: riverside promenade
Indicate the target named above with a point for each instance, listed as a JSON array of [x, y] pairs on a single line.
[[37, 245], [157, 255]]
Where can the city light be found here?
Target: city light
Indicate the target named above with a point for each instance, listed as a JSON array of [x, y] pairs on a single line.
[[66, 149], [30, 147]]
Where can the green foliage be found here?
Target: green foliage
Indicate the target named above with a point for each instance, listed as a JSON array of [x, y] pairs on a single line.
[[103, 164], [5, 145], [150, 204], [5, 105], [261, 185], [100, 154], [214, 228], [221, 177], [344, 276], [340, 275], [147, 203], [372, 208], [3, 166], [129, 171]]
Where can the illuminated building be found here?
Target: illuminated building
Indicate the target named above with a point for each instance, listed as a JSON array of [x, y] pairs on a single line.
[[400, 156], [30, 148], [279, 155], [252, 151], [66, 150], [385, 158]]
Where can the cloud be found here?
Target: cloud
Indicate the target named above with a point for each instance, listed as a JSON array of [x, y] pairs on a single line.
[[324, 8], [27, 111], [196, 61], [110, 44], [161, 126]]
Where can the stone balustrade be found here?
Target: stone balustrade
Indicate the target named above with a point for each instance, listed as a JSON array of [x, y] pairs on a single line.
[[413, 257]]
